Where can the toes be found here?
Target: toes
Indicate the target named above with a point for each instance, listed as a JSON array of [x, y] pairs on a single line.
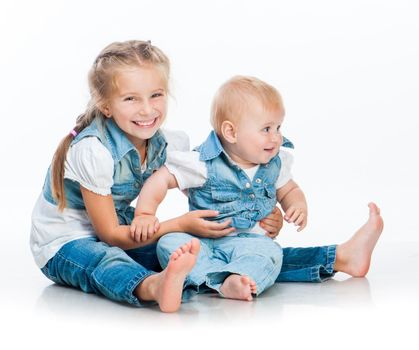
[[373, 208], [253, 287], [186, 247], [195, 246], [174, 255]]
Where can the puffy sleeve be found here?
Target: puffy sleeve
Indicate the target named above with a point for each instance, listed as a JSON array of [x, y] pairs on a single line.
[[285, 172], [187, 168], [91, 165]]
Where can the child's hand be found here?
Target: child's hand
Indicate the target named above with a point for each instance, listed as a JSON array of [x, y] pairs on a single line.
[[272, 223], [296, 215], [194, 222], [143, 227]]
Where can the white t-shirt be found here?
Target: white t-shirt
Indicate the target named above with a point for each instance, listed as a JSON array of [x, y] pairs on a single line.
[[89, 163], [190, 172]]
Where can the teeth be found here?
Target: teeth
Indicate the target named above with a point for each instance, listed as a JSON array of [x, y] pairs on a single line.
[[145, 123]]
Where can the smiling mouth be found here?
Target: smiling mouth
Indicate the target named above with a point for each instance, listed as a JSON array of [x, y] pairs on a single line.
[[146, 124]]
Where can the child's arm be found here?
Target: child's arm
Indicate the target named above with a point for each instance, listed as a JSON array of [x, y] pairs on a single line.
[[294, 204], [145, 223], [102, 213]]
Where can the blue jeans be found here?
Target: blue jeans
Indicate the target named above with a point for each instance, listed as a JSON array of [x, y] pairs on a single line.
[[256, 256], [311, 264], [95, 267]]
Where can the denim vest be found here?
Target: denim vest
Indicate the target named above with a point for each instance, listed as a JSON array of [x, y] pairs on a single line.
[[127, 176], [229, 190]]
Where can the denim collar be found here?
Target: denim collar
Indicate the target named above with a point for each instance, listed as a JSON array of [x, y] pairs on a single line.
[[212, 148], [117, 142]]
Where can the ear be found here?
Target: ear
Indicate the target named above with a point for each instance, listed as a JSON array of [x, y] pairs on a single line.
[[106, 110], [229, 132]]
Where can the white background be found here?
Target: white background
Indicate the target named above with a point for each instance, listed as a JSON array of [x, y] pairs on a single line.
[[348, 72]]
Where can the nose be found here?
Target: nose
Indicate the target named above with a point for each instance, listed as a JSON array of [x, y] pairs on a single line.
[[145, 108], [276, 137]]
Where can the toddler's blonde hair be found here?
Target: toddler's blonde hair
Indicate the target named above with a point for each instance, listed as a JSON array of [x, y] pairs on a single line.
[[237, 94]]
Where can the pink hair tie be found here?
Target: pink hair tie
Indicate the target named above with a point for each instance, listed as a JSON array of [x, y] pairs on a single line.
[[73, 132]]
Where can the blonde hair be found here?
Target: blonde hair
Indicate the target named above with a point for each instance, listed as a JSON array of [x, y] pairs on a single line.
[[102, 82], [237, 94]]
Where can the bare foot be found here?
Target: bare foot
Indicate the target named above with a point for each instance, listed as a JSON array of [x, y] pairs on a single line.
[[166, 287], [238, 287], [354, 256], [253, 287]]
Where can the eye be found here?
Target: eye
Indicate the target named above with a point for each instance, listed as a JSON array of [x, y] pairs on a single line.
[[157, 94], [129, 98], [278, 129], [266, 129]]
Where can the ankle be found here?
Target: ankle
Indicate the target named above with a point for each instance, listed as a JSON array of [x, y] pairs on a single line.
[[340, 262], [355, 266], [146, 290]]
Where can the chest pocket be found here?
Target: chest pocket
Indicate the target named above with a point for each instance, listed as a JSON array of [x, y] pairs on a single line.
[[269, 191], [224, 192]]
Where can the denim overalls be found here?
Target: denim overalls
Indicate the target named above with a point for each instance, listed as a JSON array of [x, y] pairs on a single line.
[[229, 191], [88, 263], [234, 195]]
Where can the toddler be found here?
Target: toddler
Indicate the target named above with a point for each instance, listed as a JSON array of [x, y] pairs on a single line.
[[241, 172]]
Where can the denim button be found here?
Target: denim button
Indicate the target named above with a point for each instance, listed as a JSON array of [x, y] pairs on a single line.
[[258, 181], [252, 196], [136, 185], [247, 185]]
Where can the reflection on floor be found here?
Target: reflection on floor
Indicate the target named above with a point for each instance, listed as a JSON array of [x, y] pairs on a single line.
[[377, 308], [349, 293]]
